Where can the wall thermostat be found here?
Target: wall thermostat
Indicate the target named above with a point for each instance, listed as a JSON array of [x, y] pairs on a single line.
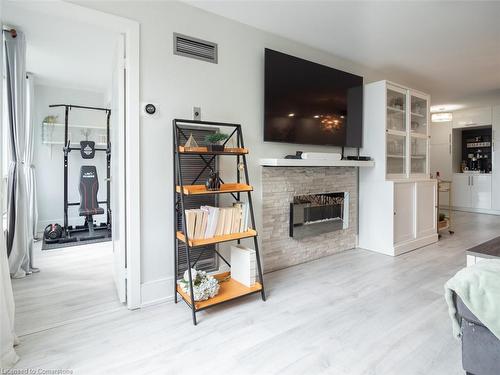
[[150, 109]]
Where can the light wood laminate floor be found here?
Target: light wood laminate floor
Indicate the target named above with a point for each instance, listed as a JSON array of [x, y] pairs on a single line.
[[357, 312]]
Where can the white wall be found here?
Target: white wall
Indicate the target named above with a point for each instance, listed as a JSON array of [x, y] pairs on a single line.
[[231, 91], [48, 159]]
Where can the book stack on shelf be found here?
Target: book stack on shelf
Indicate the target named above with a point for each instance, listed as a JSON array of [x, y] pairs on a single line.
[[207, 221], [209, 225]]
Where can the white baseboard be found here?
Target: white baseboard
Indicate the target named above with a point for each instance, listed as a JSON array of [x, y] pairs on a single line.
[[415, 244], [157, 291], [475, 210]]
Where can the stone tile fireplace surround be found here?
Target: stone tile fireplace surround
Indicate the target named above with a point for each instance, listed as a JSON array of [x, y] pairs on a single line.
[[279, 186]]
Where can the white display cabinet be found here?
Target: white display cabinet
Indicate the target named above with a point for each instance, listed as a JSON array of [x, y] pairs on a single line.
[[397, 199]]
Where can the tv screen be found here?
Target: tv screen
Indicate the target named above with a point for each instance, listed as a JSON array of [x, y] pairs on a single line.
[[309, 103]]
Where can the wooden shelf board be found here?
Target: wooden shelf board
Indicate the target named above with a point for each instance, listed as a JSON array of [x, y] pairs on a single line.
[[204, 151], [218, 239], [229, 289], [224, 188]]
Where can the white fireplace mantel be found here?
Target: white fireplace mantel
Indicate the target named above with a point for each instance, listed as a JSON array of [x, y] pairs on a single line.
[[315, 163]]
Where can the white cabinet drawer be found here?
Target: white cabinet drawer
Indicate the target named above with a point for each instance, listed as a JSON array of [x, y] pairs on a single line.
[[481, 191], [472, 117]]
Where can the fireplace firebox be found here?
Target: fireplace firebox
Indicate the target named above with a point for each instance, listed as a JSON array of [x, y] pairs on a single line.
[[314, 214]]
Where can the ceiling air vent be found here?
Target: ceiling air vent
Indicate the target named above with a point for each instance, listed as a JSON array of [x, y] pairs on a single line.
[[196, 48]]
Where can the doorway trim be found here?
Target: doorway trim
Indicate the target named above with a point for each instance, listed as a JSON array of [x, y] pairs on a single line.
[[131, 30]]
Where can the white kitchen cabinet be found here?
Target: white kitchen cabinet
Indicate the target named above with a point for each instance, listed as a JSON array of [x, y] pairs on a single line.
[[495, 177], [440, 133], [404, 215], [472, 117], [441, 160], [495, 156], [481, 191], [461, 190], [397, 199], [496, 123], [426, 214], [472, 191]]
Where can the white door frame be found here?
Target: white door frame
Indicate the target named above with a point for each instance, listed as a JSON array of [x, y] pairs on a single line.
[[131, 31]]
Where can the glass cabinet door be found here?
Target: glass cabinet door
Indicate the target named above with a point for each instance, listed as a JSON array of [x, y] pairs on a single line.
[[418, 133], [397, 132], [396, 110], [418, 149], [396, 153], [418, 115]]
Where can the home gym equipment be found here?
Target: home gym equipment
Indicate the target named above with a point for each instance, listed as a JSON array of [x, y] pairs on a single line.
[[88, 186], [52, 232]]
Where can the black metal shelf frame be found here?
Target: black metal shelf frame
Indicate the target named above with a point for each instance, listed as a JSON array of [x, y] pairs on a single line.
[[179, 201]]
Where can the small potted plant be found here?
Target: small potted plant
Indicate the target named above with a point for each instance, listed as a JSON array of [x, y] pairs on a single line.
[[214, 140]]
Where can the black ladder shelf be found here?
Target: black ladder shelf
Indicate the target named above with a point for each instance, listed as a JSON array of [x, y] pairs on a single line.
[[229, 289]]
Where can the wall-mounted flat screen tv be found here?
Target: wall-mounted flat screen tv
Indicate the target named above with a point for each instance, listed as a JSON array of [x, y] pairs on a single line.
[[309, 103]]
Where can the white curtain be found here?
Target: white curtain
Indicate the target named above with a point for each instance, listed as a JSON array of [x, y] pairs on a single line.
[[19, 218], [30, 168], [8, 338]]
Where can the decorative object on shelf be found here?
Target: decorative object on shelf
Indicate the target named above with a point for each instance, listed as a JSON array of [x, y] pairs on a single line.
[[191, 142], [213, 141], [243, 265], [397, 103], [298, 155], [463, 166], [50, 119], [49, 122], [204, 285], [213, 181]]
